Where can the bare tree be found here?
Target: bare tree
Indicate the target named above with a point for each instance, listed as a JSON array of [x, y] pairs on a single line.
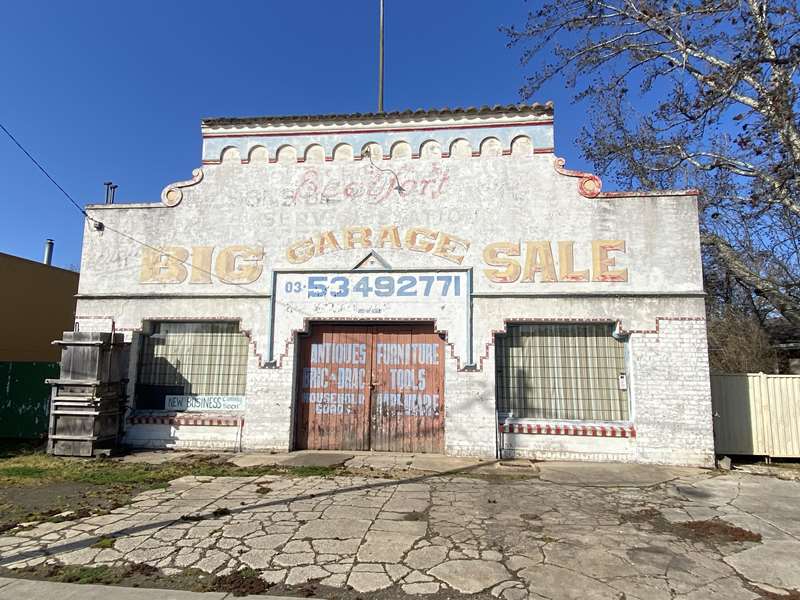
[[737, 343], [697, 92]]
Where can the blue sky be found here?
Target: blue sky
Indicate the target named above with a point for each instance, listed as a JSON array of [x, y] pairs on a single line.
[[102, 90]]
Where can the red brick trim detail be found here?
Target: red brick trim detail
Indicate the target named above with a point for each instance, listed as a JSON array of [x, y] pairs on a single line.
[[245, 332], [307, 323], [252, 341], [657, 329], [506, 322], [622, 431], [187, 421]]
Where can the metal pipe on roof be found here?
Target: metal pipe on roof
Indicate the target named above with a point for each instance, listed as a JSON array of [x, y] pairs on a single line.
[[48, 251], [380, 62]]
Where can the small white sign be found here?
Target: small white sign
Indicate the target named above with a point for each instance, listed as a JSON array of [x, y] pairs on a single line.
[[622, 382], [204, 403]]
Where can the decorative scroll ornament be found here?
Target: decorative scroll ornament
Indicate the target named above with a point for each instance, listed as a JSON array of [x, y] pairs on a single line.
[[589, 185], [172, 194]]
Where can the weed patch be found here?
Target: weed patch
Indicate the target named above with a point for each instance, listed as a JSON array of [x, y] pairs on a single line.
[[240, 583], [35, 486], [133, 575], [103, 575], [23, 472], [38, 468], [314, 471]]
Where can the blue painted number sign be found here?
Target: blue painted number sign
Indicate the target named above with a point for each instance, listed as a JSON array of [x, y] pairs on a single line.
[[373, 286]]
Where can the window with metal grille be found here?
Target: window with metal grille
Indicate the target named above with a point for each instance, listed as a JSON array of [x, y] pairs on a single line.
[[561, 371], [190, 359]]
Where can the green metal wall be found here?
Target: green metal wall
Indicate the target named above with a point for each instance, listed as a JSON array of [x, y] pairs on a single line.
[[25, 398]]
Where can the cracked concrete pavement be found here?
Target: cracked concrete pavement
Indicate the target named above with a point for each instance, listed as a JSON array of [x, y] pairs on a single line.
[[571, 532]]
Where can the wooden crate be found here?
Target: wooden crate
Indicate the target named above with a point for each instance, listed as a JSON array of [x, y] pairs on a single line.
[[87, 403]]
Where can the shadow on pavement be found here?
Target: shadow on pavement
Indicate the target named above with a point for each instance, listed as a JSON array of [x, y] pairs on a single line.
[[154, 525]]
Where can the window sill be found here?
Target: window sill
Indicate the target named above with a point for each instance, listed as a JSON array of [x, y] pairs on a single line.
[[579, 429], [176, 419]]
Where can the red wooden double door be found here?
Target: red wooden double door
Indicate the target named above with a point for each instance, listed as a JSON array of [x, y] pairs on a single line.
[[370, 387]]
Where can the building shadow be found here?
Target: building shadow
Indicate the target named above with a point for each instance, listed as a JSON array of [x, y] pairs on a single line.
[[198, 517]]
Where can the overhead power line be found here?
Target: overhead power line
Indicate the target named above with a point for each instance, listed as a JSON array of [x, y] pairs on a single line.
[[43, 170], [100, 225]]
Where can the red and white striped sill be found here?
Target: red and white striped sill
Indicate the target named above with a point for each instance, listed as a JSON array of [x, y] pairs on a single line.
[[628, 431], [195, 421]]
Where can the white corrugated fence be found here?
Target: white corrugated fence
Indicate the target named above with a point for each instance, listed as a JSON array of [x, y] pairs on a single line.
[[756, 413]]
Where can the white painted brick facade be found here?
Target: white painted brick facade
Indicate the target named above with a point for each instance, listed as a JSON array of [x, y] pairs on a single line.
[[670, 402], [493, 178]]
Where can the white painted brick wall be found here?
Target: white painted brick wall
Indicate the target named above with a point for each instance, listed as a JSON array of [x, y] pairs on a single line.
[[483, 193], [183, 437], [668, 379], [469, 413], [270, 392], [670, 400], [672, 394]]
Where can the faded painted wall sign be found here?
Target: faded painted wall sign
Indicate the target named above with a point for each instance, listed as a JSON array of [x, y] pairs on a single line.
[[533, 261], [416, 239], [526, 262], [315, 187], [343, 386], [173, 264], [541, 261]]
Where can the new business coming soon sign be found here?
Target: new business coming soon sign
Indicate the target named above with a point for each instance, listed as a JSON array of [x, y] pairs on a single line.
[[204, 403]]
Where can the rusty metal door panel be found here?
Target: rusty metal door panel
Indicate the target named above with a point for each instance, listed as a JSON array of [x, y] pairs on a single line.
[[371, 387], [407, 389], [333, 391]]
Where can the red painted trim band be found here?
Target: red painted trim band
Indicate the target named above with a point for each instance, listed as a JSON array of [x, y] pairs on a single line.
[[190, 421], [624, 431]]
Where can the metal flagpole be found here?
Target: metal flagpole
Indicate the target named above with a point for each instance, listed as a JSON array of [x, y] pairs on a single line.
[[380, 62]]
